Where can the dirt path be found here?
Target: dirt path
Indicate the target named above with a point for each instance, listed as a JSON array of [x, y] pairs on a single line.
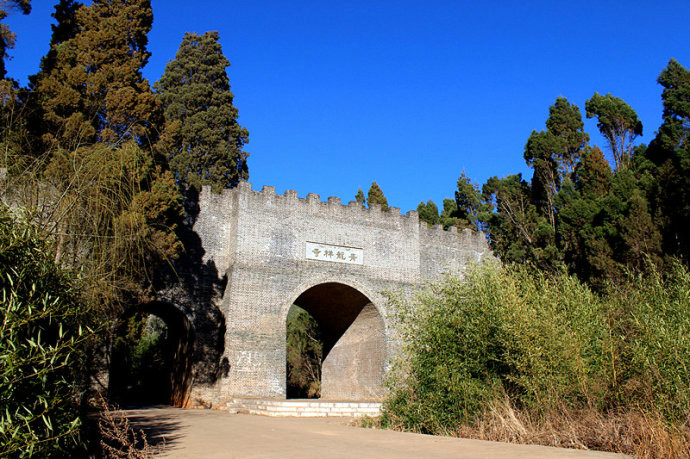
[[213, 434]]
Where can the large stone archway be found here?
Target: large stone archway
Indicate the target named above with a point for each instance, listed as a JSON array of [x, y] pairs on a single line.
[[353, 333], [337, 261]]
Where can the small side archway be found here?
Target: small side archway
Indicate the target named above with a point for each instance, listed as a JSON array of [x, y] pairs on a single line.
[[353, 336], [151, 356]]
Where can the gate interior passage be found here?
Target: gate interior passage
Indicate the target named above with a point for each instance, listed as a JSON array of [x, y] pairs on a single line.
[[150, 359], [353, 341]]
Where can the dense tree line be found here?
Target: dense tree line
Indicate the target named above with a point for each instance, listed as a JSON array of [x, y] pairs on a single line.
[[99, 162], [578, 213], [111, 154]]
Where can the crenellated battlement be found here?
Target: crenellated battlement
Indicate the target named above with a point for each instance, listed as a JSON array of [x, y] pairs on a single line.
[[289, 201]]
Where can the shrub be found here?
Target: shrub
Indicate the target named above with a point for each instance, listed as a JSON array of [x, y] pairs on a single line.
[[546, 352], [45, 333]]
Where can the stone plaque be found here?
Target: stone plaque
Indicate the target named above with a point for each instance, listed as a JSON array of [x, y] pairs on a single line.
[[334, 253]]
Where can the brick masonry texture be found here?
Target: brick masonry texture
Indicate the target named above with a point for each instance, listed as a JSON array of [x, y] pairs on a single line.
[[257, 242]]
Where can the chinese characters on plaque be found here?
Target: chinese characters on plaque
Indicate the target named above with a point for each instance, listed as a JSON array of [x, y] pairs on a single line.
[[334, 253]]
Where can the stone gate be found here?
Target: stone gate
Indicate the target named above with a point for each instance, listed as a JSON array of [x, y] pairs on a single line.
[[336, 261]]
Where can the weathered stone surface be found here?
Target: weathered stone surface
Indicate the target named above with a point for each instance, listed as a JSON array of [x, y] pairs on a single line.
[[353, 369]]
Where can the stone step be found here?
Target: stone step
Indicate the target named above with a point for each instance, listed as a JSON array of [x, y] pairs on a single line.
[[303, 408]]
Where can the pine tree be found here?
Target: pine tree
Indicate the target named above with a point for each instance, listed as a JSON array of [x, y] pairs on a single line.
[[359, 197], [66, 28], [554, 153], [450, 215], [375, 196], [512, 226], [206, 139], [118, 205], [585, 224], [93, 90], [468, 203], [640, 235], [565, 123], [618, 123], [12, 118], [670, 153]]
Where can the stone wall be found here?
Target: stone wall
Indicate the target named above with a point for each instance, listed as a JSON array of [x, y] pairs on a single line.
[[273, 248]]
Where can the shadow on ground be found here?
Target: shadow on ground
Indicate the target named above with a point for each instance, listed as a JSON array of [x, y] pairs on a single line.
[[161, 427]]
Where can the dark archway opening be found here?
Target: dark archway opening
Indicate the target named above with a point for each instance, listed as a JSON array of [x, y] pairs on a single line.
[[351, 335], [150, 360]]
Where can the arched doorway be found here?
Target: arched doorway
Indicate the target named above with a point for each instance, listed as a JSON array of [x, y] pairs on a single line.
[[150, 359], [352, 334]]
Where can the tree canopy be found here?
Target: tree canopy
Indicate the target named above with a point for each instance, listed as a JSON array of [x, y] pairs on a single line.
[[376, 196], [618, 123], [92, 90], [205, 141]]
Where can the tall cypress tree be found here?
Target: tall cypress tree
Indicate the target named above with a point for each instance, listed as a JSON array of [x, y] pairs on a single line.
[[375, 196], [359, 197], [65, 28], [205, 138], [670, 152], [585, 222], [94, 90], [118, 204]]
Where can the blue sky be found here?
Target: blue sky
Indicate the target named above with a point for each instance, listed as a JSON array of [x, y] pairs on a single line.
[[407, 93]]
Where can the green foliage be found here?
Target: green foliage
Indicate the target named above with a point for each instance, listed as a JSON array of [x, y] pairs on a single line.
[[618, 123], [545, 343], [112, 212], [94, 177], [554, 152], [468, 203], [205, 139], [449, 214], [670, 154], [118, 213], [93, 90], [359, 197], [587, 220], [577, 214], [304, 348], [566, 125], [652, 333], [428, 212], [465, 211], [46, 332], [516, 230], [375, 196], [12, 127]]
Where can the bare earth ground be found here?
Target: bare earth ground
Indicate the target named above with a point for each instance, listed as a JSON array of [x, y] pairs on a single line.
[[215, 434]]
